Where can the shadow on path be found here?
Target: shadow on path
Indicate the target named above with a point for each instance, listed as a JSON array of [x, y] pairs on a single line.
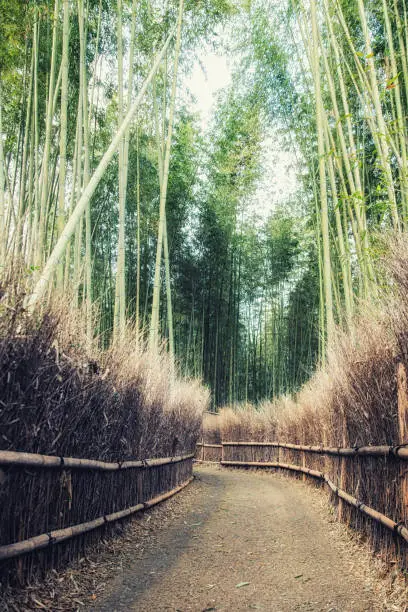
[[148, 568]]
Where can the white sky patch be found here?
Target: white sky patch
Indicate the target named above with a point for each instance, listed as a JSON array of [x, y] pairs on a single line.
[[208, 76], [279, 182]]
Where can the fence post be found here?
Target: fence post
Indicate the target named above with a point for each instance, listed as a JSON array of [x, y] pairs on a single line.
[[222, 451], [304, 477], [343, 470], [203, 450], [403, 433]]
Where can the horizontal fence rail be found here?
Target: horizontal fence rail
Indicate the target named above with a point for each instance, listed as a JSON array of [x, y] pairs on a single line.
[[60, 535], [53, 506], [51, 461], [400, 451], [200, 444]]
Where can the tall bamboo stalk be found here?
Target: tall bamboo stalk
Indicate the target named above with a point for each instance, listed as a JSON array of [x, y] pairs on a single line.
[[44, 190], [63, 131], [163, 194], [2, 187], [315, 52]]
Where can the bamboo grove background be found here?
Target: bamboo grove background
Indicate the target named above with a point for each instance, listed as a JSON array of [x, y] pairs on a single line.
[[164, 235]]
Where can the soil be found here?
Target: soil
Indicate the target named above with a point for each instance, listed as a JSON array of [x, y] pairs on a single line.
[[247, 541]]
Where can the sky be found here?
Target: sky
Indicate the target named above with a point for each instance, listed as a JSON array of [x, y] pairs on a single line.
[[208, 76], [205, 81]]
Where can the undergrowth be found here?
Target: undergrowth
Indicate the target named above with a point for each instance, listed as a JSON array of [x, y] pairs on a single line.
[[60, 396]]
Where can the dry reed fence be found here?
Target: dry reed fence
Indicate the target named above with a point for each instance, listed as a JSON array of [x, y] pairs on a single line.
[[113, 407], [74, 501], [208, 448], [358, 400], [368, 483]]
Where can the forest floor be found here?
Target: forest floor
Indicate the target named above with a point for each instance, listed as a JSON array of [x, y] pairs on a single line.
[[233, 540]]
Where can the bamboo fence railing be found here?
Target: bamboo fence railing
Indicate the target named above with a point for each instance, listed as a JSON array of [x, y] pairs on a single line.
[[399, 452], [59, 535], [208, 453], [376, 474], [51, 461], [78, 477]]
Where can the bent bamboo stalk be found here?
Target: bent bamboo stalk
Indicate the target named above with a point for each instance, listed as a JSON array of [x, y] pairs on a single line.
[[49, 461], [401, 530], [59, 535], [60, 246], [400, 451]]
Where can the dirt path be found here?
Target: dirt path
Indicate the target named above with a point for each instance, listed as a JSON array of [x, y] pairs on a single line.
[[244, 528]]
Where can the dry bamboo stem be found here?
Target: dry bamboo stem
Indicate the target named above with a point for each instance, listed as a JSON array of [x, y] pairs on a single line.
[[377, 516], [59, 535], [209, 445], [343, 469], [49, 461], [400, 451], [403, 432]]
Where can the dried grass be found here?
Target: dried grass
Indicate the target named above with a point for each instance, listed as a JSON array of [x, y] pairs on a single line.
[[60, 396]]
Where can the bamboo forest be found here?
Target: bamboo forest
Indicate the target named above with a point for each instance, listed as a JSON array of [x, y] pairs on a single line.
[[203, 258], [111, 191]]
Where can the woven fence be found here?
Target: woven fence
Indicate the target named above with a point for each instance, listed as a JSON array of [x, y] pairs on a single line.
[[209, 448], [63, 505], [208, 453], [367, 484]]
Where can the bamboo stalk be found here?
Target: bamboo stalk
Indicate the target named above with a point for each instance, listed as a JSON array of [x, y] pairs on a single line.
[[48, 461], [154, 331], [63, 134], [209, 445], [2, 188], [403, 431], [324, 214], [400, 451], [59, 535]]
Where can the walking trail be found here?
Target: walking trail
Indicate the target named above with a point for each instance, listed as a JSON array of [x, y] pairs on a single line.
[[248, 541]]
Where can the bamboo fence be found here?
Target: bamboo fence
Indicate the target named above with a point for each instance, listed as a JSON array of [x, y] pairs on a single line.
[[366, 482], [208, 453], [54, 507], [325, 464]]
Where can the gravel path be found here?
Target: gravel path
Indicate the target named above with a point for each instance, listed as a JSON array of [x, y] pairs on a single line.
[[249, 541]]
